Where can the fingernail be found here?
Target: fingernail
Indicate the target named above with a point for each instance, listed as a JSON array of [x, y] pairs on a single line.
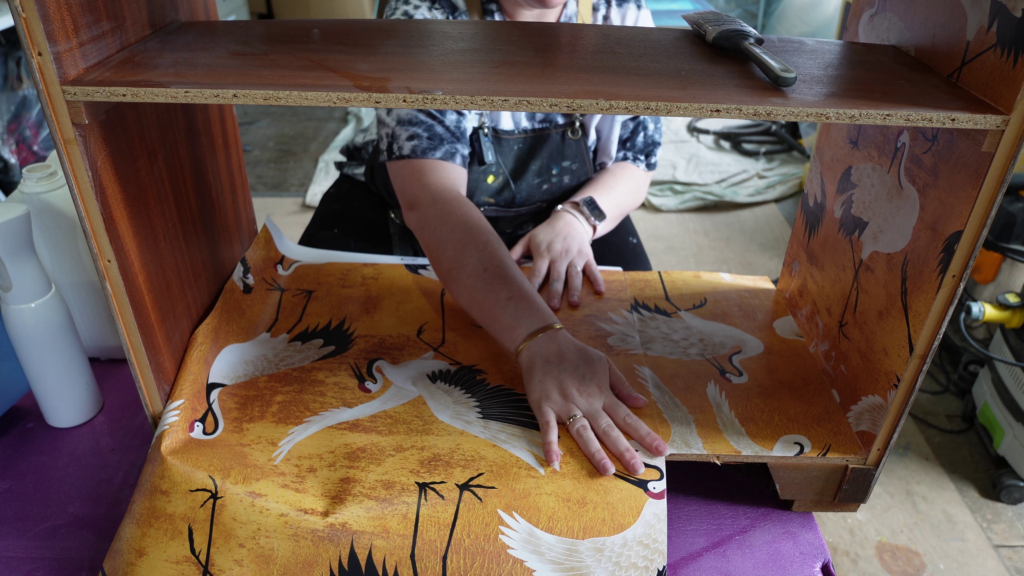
[[606, 468], [640, 397], [556, 466], [660, 448], [637, 467], [552, 460], [554, 303], [560, 453]]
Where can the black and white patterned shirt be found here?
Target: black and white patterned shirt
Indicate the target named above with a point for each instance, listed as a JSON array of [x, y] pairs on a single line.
[[445, 134]]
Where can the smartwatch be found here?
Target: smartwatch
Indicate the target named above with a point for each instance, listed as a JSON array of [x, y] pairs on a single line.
[[592, 211]]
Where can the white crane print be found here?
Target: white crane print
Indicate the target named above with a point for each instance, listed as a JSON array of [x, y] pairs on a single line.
[[683, 438], [984, 15], [812, 201], [242, 276], [268, 354], [640, 550], [878, 207], [869, 414], [877, 26], [683, 335], [460, 397], [788, 445], [171, 414]]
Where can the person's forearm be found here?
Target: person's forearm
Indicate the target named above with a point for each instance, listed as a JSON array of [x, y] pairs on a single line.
[[467, 256], [619, 189]]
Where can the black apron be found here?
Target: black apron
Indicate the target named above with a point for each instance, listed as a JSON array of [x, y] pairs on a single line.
[[516, 179]]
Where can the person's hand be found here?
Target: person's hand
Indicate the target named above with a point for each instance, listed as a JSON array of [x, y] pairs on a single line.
[[560, 248], [564, 377]]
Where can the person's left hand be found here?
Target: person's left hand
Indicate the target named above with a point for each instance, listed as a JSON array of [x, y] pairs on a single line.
[[560, 248]]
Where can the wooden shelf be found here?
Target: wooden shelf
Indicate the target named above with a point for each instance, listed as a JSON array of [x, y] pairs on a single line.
[[524, 67]]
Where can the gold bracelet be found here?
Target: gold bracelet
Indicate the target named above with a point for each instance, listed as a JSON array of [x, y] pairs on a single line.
[[537, 334]]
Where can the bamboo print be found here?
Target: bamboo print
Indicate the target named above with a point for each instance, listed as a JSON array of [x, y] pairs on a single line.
[[421, 497], [214, 496], [466, 486]]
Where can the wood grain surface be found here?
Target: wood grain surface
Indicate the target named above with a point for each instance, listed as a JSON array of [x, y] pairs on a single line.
[[61, 39], [524, 66], [82, 34], [171, 186]]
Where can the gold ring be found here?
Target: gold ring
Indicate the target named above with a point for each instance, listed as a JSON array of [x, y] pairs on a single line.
[[572, 419]]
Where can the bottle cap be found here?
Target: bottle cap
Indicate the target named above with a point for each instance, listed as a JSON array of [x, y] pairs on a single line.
[[40, 178], [22, 278]]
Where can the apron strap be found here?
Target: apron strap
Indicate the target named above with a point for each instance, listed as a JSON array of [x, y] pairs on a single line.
[[584, 11]]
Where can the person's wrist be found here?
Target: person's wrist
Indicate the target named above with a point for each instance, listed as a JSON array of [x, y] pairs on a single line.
[[536, 348], [581, 224]]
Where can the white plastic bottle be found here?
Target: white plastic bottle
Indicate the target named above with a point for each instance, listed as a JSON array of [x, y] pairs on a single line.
[[41, 328], [62, 248]]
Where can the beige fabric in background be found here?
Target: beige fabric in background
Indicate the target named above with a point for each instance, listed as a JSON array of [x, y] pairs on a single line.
[[749, 240]]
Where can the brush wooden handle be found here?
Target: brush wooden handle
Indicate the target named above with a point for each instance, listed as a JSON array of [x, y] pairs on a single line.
[[775, 69]]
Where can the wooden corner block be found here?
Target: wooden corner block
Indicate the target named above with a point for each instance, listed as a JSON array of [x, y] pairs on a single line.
[[84, 112], [76, 111], [810, 481], [857, 484], [813, 506]]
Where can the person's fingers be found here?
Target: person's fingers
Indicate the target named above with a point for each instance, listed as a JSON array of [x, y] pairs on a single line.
[[581, 432], [538, 271], [590, 268], [622, 389], [631, 424], [574, 282], [556, 282], [610, 435], [520, 249], [549, 438]]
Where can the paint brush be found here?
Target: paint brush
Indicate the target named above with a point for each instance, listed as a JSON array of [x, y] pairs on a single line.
[[733, 34]]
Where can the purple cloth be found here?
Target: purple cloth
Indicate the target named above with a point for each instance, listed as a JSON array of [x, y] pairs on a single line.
[[728, 521], [63, 492]]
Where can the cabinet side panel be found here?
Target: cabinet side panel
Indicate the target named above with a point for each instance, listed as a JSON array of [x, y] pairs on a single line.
[[172, 191], [880, 220], [977, 43], [81, 34]]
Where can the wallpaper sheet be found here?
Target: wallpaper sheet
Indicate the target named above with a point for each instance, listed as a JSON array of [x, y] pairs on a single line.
[[978, 44], [346, 418], [884, 207], [879, 221]]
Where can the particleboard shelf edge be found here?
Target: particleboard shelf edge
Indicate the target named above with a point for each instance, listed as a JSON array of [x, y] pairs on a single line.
[[444, 102]]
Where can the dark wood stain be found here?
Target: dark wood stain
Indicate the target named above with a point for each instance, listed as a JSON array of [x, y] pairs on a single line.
[[171, 184], [169, 178], [523, 60]]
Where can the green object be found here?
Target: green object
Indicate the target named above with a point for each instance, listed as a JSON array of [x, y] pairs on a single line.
[[989, 421]]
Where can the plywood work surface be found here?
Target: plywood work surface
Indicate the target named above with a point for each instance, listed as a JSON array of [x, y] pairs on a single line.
[[524, 66]]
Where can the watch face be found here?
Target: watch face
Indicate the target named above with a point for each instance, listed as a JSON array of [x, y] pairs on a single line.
[[593, 210]]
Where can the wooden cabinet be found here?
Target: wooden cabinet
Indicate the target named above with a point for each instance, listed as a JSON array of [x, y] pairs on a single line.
[[139, 96]]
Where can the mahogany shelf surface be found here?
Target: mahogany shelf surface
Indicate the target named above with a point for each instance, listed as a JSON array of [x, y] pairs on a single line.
[[523, 66]]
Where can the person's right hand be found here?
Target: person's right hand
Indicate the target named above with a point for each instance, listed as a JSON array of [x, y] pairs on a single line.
[[560, 247], [564, 377]]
